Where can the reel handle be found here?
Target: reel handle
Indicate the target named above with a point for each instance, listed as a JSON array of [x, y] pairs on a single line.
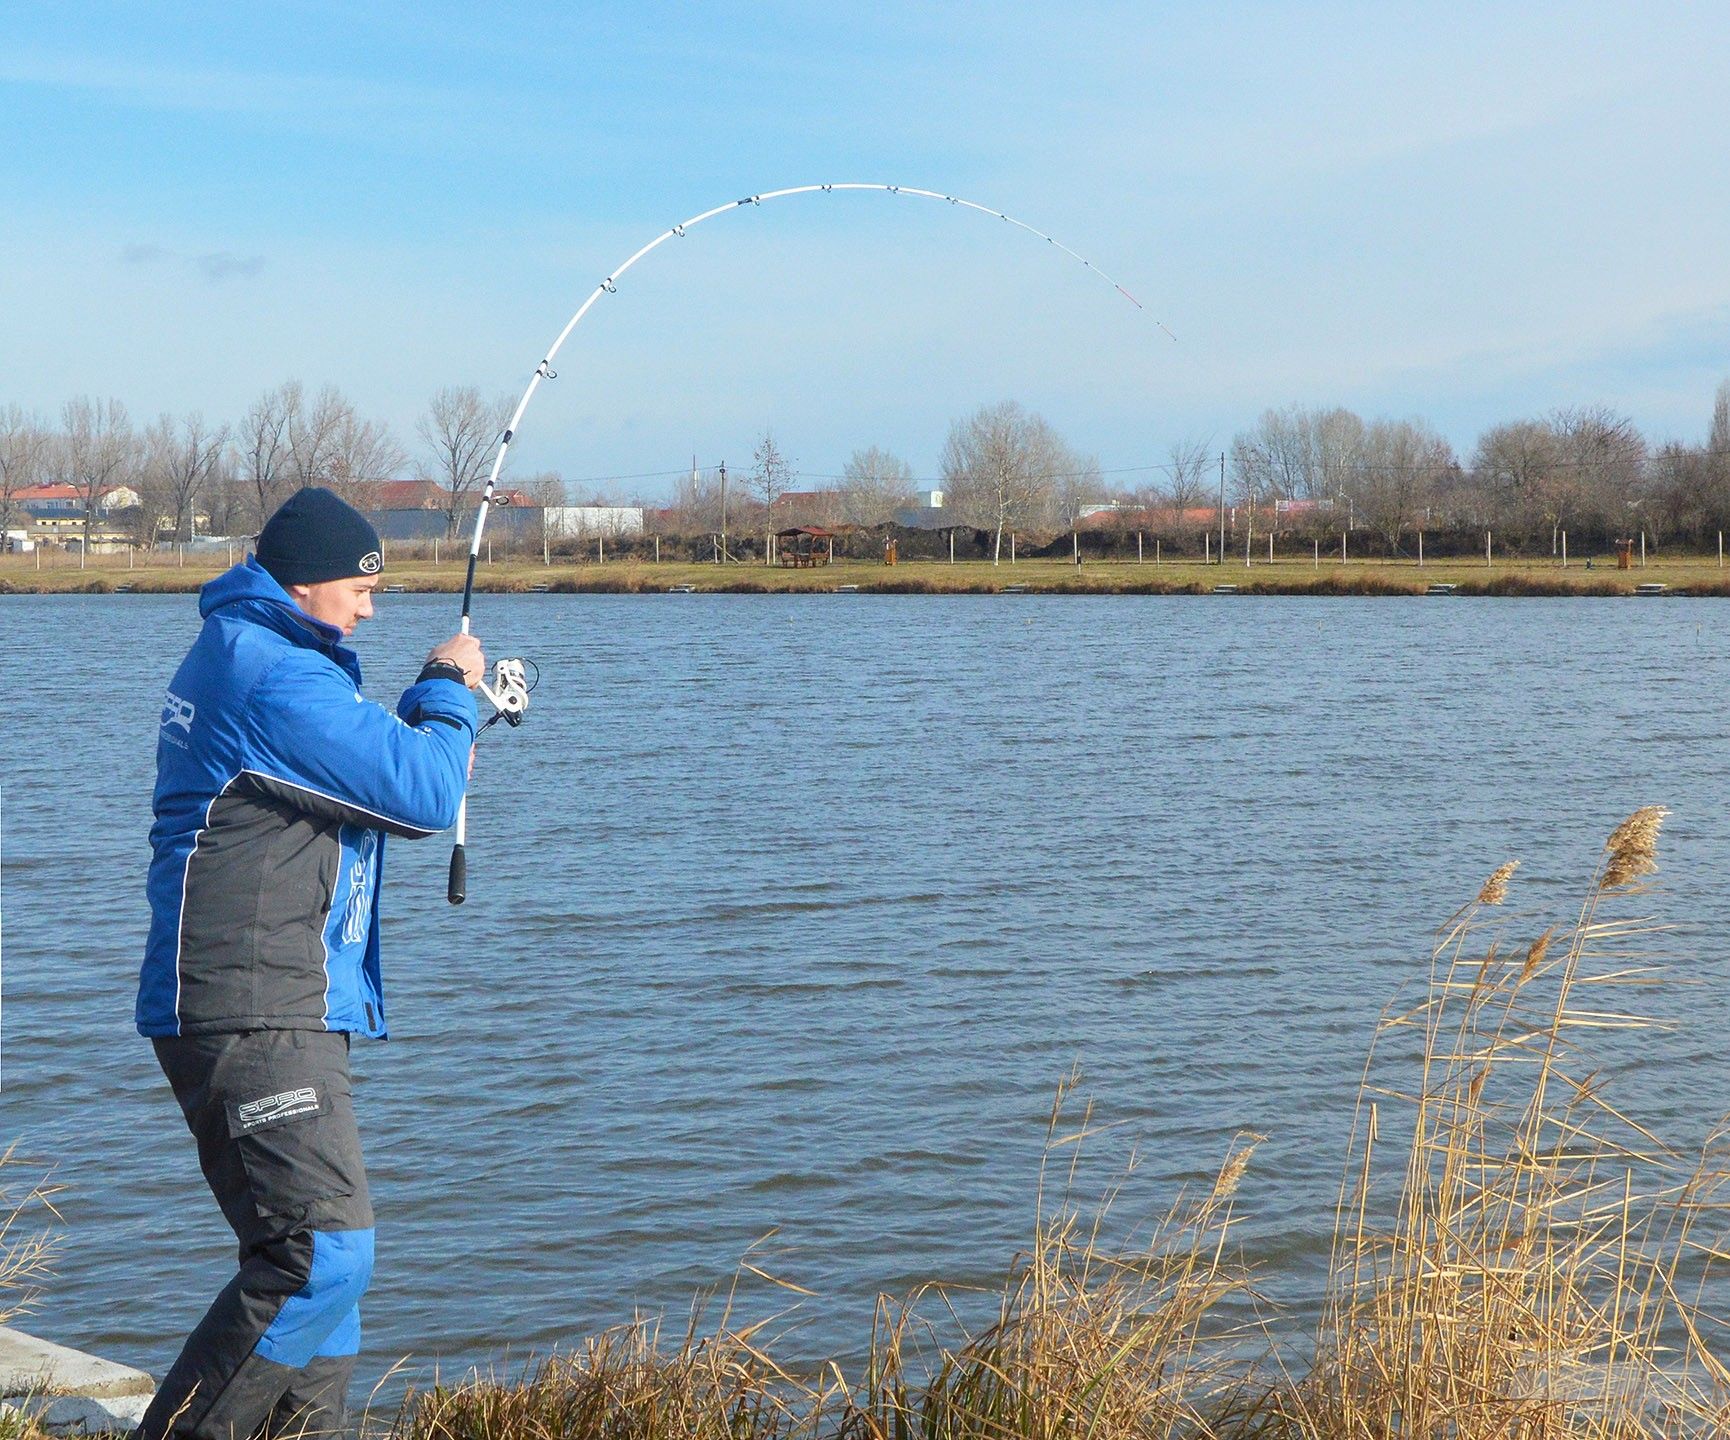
[[458, 889]]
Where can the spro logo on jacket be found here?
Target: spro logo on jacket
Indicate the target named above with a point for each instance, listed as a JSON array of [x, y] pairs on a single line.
[[274, 792], [176, 713]]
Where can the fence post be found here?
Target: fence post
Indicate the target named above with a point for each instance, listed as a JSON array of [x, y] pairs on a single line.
[[1138, 547], [1642, 549], [1207, 547], [1318, 545], [1489, 553], [600, 549], [1564, 549], [1342, 547], [1420, 549]]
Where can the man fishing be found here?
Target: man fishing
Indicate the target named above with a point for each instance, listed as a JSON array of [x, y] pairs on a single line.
[[277, 783]]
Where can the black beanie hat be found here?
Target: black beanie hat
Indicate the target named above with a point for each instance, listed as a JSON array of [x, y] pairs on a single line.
[[316, 536]]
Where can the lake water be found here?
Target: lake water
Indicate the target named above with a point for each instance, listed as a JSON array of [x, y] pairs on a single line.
[[790, 913]]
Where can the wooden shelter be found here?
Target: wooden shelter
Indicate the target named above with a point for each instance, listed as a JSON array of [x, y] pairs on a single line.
[[802, 546]]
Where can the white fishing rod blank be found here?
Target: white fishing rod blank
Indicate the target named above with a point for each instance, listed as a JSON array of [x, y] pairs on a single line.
[[458, 887]]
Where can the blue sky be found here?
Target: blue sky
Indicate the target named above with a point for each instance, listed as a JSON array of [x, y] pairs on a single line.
[[1468, 213]]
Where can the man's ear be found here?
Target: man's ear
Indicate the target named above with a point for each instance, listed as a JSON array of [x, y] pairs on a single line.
[[299, 593]]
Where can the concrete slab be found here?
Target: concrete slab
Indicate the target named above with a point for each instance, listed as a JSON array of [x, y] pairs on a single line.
[[84, 1414], [30, 1366]]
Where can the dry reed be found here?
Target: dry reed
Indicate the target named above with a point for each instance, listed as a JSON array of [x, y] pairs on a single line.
[[1536, 1279], [1515, 1258]]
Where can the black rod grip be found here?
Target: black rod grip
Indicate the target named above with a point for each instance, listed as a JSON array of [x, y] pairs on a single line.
[[459, 882]]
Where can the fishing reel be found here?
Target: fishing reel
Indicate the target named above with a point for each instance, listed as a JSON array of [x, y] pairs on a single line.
[[509, 692], [513, 680]]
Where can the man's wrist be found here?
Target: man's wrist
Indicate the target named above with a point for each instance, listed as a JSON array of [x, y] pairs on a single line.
[[443, 670]]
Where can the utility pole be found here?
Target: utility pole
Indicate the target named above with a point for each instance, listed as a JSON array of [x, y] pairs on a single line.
[[723, 512], [1222, 507]]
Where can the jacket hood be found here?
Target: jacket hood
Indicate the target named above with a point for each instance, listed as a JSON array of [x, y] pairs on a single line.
[[250, 585]]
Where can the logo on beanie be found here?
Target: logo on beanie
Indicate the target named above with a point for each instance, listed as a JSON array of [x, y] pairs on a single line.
[[370, 562]]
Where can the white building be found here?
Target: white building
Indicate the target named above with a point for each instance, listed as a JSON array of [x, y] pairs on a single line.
[[576, 522]]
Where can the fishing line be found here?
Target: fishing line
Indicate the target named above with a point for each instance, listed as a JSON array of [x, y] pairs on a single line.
[[458, 885]]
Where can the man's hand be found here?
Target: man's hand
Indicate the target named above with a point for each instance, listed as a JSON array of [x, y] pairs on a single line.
[[463, 651]]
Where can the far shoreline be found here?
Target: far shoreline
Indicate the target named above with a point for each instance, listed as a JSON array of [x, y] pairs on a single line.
[[1687, 576]]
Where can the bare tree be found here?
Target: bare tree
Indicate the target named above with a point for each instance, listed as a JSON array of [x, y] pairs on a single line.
[[1690, 485], [1402, 464], [1718, 437], [1601, 469], [261, 448], [1189, 475], [1688, 489], [1299, 454], [98, 451], [23, 453], [361, 453], [313, 431], [1514, 466], [460, 431], [1076, 487], [180, 460], [874, 485], [697, 501], [227, 499], [999, 466], [771, 472]]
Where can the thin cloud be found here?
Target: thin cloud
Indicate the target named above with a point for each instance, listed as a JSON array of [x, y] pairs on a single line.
[[224, 264], [214, 266]]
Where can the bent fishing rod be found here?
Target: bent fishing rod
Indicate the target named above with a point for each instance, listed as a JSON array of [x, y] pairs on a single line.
[[509, 692]]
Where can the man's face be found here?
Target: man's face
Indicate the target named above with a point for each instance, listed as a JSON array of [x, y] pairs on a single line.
[[342, 603]]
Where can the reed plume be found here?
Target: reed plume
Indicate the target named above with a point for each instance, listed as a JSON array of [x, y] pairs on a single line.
[[1515, 1257]]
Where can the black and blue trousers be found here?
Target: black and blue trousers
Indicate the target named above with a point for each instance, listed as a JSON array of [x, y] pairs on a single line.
[[272, 1112]]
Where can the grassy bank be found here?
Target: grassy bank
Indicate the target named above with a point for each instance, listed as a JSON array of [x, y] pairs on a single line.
[[1692, 575], [1514, 1259]]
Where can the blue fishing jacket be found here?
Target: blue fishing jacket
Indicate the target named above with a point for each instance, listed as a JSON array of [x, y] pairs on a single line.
[[276, 783]]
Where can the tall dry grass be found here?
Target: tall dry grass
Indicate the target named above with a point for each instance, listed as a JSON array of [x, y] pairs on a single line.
[[1540, 1272], [1514, 1257], [1087, 1342], [28, 1241]]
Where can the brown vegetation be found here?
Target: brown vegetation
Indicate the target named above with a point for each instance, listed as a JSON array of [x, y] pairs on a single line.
[[1515, 1258]]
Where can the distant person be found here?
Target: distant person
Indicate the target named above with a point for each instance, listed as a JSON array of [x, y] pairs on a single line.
[[276, 783]]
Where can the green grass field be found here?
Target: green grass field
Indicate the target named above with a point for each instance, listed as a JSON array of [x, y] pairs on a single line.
[[1700, 575]]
